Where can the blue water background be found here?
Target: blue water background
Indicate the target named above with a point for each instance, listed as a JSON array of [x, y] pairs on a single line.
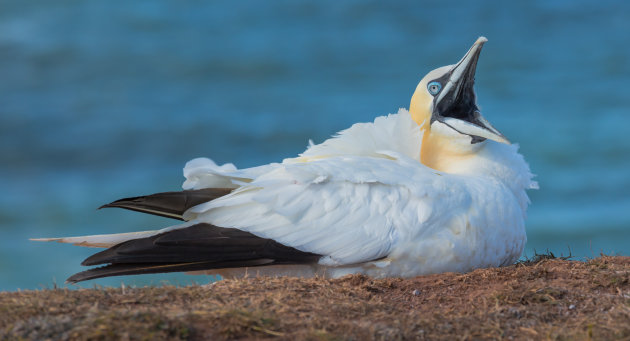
[[106, 99]]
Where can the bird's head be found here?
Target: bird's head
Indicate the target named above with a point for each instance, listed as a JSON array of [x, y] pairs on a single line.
[[445, 100], [445, 106]]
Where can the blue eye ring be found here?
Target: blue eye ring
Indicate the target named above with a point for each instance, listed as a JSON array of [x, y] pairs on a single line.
[[434, 87]]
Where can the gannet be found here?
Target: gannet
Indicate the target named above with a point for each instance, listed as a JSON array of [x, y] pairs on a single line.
[[433, 189]]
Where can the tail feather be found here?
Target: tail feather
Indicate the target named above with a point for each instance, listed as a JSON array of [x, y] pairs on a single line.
[[197, 247], [170, 204], [166, 204], [99, 240]]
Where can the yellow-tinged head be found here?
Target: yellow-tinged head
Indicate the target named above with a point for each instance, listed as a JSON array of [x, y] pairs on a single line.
[[445, 106]]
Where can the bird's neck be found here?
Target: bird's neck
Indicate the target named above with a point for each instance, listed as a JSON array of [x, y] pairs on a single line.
[[449, 154], [442, 148]]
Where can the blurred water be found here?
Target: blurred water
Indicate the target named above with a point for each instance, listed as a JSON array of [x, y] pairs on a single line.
[[102, 100]]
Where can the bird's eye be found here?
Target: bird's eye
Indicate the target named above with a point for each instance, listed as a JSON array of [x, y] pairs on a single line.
[[434, 88]]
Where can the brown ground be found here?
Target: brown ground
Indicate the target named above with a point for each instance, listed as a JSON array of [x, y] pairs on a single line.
[[547, 299]]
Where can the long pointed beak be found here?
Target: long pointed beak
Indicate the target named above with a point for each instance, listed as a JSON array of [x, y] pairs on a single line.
[[456, 104]]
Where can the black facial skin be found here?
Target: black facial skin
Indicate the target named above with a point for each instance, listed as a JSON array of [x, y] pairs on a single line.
[[460, 102]]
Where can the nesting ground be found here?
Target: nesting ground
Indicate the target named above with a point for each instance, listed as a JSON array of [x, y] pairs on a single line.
[[545, 299]]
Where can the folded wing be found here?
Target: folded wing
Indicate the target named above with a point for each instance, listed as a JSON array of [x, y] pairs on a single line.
[[198, 247], [350, 209]]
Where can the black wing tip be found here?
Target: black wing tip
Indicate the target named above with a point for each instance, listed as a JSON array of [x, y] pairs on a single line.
[[85, 275], [121, 203], [72, 280], [198, 247], [169, 204], [125, 202], [106, 271], [99, 272], [88, 261], [126, 269]]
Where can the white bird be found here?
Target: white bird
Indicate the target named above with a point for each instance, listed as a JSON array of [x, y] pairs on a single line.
[[433, 189]]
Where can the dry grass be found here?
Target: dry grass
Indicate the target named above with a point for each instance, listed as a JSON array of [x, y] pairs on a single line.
[[549, 299]]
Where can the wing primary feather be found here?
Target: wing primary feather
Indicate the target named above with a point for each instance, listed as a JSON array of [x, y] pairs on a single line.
[[197, 247], [169, 204], [148, 268]]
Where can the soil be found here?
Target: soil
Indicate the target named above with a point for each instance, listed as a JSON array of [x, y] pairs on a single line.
[[541, 299]]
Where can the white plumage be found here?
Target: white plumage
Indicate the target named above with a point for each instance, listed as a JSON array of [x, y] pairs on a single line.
[[364, 195], [416, 192]]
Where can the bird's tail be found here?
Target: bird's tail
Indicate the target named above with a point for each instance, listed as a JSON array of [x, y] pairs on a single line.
[[185, 247], [166, 204], [99, 240]]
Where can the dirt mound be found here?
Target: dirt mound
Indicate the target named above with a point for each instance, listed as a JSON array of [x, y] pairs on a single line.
[[548, 299]]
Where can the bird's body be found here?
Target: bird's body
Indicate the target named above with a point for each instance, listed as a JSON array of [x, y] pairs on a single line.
[[364, 196], [411, 193]]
